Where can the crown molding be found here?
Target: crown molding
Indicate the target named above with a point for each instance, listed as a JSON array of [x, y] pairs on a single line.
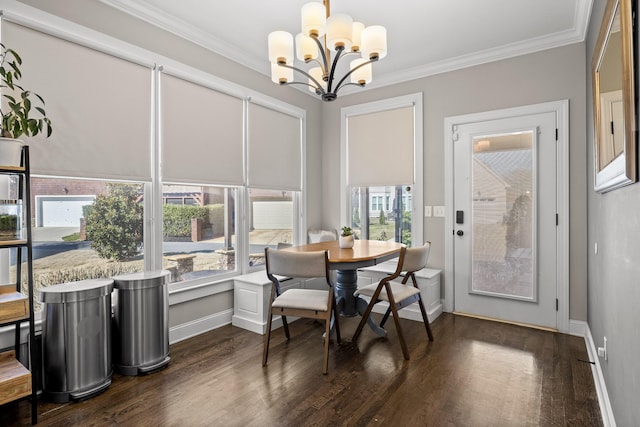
[[148, 13]]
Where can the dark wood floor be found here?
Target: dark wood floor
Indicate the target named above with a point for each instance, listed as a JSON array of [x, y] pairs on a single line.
[[475, 373]]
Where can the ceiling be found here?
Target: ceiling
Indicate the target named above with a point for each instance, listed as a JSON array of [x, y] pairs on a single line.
[[425, 37]]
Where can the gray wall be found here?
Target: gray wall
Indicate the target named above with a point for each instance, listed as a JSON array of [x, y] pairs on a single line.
[[614, 273], [541, 77]]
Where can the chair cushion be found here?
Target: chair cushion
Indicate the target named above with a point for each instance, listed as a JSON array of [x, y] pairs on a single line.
[[304, 299], [400, 291]]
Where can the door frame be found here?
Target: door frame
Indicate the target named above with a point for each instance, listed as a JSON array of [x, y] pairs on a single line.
[[561, 109]]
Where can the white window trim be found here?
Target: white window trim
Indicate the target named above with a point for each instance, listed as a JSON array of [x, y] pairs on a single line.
[[415, 100]]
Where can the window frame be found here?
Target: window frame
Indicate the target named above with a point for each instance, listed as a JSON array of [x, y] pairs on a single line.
[[414, 100]]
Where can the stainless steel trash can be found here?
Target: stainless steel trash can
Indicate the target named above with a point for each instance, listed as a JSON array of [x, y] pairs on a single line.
[[141, 322], [76, 339]]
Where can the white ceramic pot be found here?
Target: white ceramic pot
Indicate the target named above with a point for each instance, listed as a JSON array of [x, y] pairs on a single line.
[[10, 152], [346, 242]]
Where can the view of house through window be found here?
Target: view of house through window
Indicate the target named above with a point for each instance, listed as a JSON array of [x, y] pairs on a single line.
[[382, 213], [85, 229], [270, 221], [198, 230]]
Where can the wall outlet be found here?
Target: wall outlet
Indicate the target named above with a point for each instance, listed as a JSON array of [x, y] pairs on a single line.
[[427, 211], [438, 211]]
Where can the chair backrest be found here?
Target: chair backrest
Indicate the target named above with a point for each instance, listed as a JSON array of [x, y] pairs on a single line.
[[416, 258], [297, 264]]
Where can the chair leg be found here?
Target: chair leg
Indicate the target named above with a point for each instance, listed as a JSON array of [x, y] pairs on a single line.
[[385, 317], [267, 338], [365, 315], [285, 325], [327, 337], [336, 322], [396, 320], [425, 318]]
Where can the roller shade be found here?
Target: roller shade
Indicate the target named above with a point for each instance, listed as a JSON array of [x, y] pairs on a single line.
[[201, 134], [380, 148], [99, 105], [274, 145]]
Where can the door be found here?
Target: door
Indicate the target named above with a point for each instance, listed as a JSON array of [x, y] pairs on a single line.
[[505, 221]]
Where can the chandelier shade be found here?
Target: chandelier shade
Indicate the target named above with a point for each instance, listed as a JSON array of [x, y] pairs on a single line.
[[322, 35]]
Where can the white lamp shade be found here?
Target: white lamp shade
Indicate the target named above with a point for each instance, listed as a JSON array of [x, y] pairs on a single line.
[[362, 75], [280, 47], [339, 31], [306, 48], [314, 19], [280, 74], [374, 42], [316, 73], [356, 38]]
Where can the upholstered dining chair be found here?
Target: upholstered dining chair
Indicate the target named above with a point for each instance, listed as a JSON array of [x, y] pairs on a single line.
[[398, 294], [307, 303]]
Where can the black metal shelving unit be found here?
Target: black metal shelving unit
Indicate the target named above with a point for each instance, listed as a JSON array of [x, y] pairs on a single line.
[[17, 304]]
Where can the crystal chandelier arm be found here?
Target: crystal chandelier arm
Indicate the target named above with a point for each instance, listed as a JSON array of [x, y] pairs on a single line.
[[340, 85], [317, 86]]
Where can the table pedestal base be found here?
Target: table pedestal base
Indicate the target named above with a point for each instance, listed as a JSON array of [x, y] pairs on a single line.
[[350, 305]]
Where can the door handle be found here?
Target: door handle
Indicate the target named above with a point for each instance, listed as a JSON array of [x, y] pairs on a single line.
[[460, 233]]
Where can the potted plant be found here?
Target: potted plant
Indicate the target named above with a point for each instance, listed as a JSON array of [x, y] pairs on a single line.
[[346, 238], [16, 110]]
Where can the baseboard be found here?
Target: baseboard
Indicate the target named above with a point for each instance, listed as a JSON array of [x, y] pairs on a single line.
[[204, 324], [257, 327], [601, 388]]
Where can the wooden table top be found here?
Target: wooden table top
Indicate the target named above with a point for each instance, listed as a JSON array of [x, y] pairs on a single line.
[[364, 252]]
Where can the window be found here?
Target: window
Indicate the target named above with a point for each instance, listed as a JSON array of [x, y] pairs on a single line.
[[195, 168], [380, 203], [382, 224], [271, 216], [85, 229], [199, 231]]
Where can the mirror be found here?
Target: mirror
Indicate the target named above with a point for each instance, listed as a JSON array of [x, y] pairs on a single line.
[[613, 98]]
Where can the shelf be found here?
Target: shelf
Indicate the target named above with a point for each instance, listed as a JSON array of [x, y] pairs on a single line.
[[14, 306], [15, 379], [12, 169], [11, 243]]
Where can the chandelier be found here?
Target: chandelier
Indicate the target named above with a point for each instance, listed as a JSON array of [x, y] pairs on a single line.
[[322, 34]]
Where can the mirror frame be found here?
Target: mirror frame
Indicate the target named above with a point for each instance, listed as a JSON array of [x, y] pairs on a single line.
[[621, 170]]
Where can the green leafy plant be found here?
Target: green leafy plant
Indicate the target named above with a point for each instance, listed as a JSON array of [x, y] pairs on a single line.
[[176, 219], [114, 223], [17, 119], [346, 231]]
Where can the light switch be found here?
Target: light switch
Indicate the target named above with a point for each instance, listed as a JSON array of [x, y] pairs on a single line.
[[427, 211], [438, 211]]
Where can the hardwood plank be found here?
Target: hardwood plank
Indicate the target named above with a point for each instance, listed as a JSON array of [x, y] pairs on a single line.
[[475, 373]]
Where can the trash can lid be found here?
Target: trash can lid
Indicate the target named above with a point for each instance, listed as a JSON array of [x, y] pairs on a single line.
[[76, 291], [142, 280]]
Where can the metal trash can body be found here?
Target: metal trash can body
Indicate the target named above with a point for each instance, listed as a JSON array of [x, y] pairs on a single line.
[[76, 339], [141, 322]]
